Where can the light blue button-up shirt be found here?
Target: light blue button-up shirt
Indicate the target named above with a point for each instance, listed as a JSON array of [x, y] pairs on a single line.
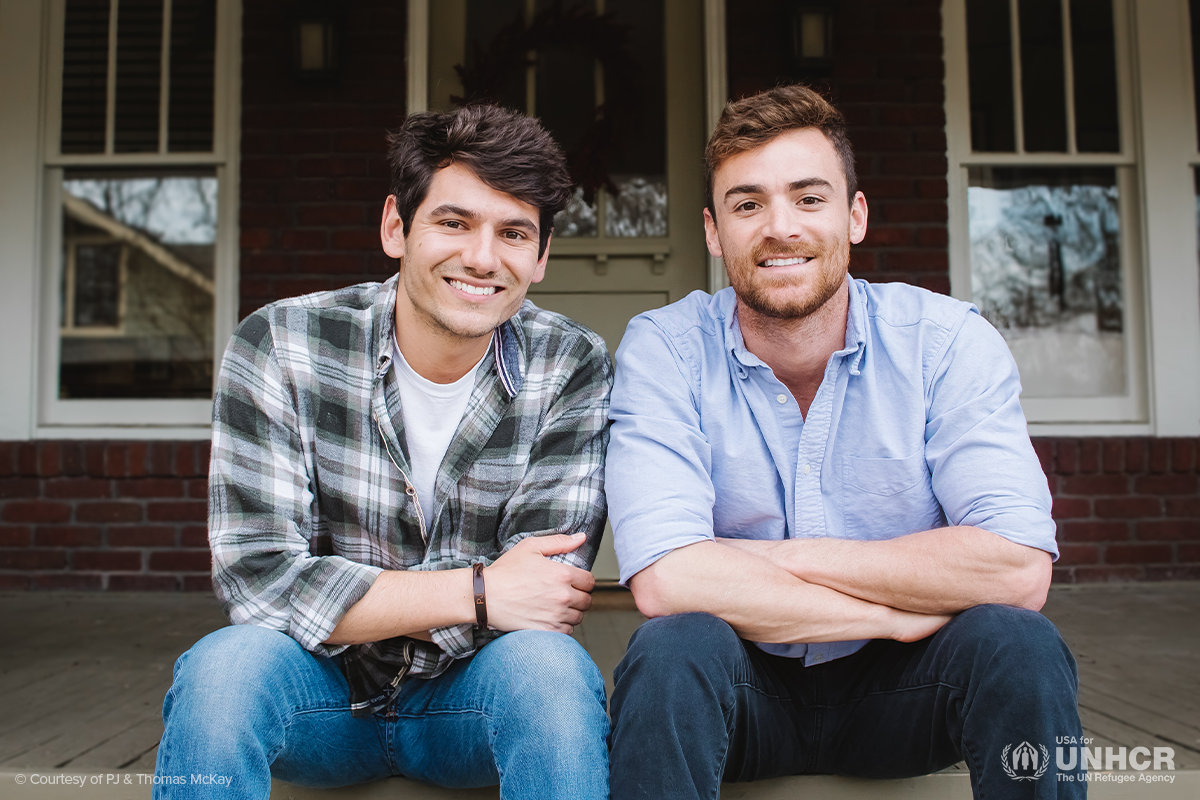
[[916, 425]]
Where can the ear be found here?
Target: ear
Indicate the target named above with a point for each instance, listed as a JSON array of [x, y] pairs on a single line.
[[540, 271], [710, 235], [858, 218], [391, 229]]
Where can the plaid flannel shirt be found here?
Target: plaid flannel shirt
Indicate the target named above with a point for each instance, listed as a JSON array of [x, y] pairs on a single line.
[[309, 490]]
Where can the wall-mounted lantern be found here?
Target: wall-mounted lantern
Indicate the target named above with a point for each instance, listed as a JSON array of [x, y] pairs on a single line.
[[812, 36], [316, 34]]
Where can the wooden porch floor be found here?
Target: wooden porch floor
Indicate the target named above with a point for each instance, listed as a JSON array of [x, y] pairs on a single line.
[[82, 676]]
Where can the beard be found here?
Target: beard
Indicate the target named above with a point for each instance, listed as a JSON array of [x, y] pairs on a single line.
[[769, 295]]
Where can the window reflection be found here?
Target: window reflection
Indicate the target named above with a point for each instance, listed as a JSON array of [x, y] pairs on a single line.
[[137, 293], [1046, 271]]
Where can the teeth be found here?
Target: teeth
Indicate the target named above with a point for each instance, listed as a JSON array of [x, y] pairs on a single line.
[[787, 262], [469, 289]]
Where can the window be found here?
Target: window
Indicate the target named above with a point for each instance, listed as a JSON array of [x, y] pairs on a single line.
[[139, 181], [1042, 158]]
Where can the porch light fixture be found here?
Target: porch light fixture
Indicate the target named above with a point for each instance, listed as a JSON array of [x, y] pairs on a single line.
[[315, 45], [812, 35]]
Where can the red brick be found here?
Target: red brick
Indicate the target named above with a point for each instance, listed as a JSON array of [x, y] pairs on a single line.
[[66, 581], [1062, 575], [35, 511], [1071, 508], [197, 583], [1161, 530], [109, 512], [932, 237], [359, 142], [27, 458], [185, 459], [255, 238], [143, 583], [1045, 453], [193, 536], [912, 115], [142, 536], [74, 488], [1167, 484], [181, 561], [259, 167], [330, 264], [33, 559], [1137, 455], [889, 236], [15, 535], [364, 239], [106, 560], [311, 191], [1094, 485], [305, 142], [182, 511], [72, 459], [1181, 573], [1183, 455], [1073, 554], [8, 458], [916, 260], [265, 217], [10, 582], [343, 214], [331, 167], [914, 211], [68, 536], [1189, 553], [137, 459], [303, 240], [1137, 554], [1094, 531], [20, 487], [1112, 455], [203, 456], [1066, 456], [151, 487], [1160, 455], [1108, 574], [116, 460], [49, 459], [1128, 507], [1089, 455], [1183, 507]]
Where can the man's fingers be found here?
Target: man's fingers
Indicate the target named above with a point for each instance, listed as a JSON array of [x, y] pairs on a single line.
[[554, 544], [582, 580], [580, 600]]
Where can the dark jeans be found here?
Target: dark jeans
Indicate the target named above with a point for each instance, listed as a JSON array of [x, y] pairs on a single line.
[[695, 705]]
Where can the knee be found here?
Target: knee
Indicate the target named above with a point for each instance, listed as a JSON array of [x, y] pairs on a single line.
[[230, 669], [1017, 645], [678, 648]]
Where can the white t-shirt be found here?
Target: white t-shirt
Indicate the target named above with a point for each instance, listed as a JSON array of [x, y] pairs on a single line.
[[431, 412]]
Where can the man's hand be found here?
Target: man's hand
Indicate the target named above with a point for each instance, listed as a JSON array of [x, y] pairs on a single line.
[[527, 591]]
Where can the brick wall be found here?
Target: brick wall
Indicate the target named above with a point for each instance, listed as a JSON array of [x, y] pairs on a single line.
[[313, 174], [104, 515], [1127, 509], [886, 79]]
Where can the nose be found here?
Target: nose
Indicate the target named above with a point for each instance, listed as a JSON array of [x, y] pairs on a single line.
[[780, 222], [479, 251]]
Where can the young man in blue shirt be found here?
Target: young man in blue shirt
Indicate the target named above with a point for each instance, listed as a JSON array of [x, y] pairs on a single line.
[[825, 497]]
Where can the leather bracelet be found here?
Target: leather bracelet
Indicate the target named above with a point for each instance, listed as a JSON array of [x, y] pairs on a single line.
[[480, 597]]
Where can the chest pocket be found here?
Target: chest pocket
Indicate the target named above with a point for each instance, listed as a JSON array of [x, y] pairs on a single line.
[[887, 497]]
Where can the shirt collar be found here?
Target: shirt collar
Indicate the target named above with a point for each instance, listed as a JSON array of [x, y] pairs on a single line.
[[506, 347], [725, 303]]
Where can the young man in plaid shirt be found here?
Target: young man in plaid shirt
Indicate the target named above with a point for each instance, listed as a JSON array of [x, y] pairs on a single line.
[[401, 472]]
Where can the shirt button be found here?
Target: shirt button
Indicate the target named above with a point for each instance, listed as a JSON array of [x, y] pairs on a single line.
[[807, 468], [781, 398]]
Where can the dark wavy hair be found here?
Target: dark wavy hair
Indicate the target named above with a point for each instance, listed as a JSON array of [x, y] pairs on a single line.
[[510, 152], [753, 121]]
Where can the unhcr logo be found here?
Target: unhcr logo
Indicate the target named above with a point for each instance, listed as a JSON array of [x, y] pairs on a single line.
[[1023, 762]]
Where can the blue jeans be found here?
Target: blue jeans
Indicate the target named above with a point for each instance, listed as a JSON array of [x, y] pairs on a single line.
[[694, 705], [248, 704]]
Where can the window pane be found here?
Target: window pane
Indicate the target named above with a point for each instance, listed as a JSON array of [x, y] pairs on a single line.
[[85, 76], [193, 59], [577, 219], [1044, 108], [1046, 271], [989, 67], [639, 208], [1094, 69], [161, 231], [139, 75], [486, 21]]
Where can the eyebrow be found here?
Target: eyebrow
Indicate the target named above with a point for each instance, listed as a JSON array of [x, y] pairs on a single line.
[[449, 209], [803, 183]]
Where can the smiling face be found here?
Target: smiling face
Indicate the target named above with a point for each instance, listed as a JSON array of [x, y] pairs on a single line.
[[784, 224], [469, 258]]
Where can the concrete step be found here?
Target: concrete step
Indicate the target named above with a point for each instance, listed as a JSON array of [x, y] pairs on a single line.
[[953, 785]]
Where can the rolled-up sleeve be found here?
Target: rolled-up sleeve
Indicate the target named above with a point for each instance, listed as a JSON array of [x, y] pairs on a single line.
[[984, 470], [261, 504], [659, 475]]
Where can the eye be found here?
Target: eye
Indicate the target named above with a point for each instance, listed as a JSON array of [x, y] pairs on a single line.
[[453, 223], [515, 236], [811, 200], [746, 205]]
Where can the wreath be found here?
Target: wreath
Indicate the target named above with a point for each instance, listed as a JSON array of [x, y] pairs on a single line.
[[578, 29]]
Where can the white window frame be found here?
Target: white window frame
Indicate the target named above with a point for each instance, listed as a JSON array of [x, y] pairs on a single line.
[[1160, 281], [134, 418]]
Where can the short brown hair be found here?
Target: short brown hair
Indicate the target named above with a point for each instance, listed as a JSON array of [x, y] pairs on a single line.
[[753, 121], [510, 152]]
